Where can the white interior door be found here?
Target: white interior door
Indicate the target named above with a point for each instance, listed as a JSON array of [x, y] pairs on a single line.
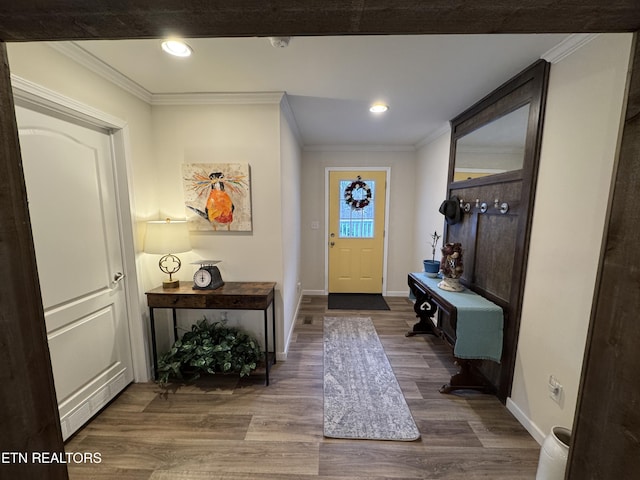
[[69, 176]]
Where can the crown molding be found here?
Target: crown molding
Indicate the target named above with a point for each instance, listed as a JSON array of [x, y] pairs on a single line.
[[359, 148], [569, 45], [287, 112], [213, 98], [87, 60], [84, 58], [90, 62], [444, 129]]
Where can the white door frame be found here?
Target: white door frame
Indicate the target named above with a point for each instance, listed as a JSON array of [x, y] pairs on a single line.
[[30, 94], [386, 221]]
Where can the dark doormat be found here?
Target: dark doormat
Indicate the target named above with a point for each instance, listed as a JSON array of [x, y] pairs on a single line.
[[357, 301]]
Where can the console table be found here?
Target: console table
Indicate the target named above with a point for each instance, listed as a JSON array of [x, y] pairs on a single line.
[[230, 296], [467, 321]]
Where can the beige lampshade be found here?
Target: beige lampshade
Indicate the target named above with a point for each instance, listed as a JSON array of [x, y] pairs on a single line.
[[167, 236]]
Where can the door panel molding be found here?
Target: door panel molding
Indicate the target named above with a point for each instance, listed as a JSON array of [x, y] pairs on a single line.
[[32, 95], [69, 173]]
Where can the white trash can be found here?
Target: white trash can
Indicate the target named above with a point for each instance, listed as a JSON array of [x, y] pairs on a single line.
[[553, 454]]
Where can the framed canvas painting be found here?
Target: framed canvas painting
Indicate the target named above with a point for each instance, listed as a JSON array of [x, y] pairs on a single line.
[[217, 196]]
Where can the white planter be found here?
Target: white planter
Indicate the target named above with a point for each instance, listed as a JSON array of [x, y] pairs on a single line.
[[451, 284], [553, 454]]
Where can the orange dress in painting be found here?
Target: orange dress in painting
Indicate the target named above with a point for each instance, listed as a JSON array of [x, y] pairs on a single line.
[[219, 207], [213, 190]]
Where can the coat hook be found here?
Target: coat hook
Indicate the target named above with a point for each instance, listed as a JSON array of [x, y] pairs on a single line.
[[504, 208]]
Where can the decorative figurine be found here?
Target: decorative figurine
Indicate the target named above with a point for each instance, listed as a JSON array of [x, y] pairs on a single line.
[[451, 267]]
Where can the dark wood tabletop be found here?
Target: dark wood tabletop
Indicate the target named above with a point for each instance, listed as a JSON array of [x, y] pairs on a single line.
[[231, 295]]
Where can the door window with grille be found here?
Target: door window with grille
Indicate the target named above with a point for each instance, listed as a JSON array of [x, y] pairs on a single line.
[[357, 208]]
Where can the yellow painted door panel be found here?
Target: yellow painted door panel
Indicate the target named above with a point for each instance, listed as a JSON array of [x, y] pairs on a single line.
[[356, 231]]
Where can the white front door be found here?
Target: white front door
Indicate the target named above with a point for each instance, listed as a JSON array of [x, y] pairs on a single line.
[[69, 176]]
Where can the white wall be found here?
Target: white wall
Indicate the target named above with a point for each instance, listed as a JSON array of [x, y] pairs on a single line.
[[432, 168], [45, 66], [584, 109], [401, 212], [234, 134], [161, 138], [224, 134], [291, 165]]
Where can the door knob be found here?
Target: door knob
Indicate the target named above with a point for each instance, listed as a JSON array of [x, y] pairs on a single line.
[[332, 243], [117, 278]]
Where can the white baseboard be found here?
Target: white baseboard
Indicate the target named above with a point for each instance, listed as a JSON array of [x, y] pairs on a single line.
[[526, 422], [287, 340], [399, 293], [95, 397], [393, 293], [314, 292]]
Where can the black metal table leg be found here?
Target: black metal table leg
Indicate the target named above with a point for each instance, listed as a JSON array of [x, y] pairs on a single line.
[[266, 348], [175, 325], [154, 350]]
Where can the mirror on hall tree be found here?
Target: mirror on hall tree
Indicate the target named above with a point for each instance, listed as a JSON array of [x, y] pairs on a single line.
[[496, 147]]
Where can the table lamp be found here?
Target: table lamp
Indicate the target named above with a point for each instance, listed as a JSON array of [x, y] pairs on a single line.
[[167, 237]]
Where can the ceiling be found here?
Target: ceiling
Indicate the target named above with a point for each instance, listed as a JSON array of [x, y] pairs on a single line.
[[330, 81]]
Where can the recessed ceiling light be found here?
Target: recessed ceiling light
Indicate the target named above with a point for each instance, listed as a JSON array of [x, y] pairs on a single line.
[[378, 108], [176, 47]]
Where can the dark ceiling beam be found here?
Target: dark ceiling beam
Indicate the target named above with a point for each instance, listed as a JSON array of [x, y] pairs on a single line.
[[29, 20]]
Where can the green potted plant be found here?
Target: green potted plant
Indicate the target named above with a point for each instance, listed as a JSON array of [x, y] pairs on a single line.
[[209, 348], [432, 267]]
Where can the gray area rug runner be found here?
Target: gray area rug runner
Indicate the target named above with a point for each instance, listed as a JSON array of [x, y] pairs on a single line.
[[362, 398]]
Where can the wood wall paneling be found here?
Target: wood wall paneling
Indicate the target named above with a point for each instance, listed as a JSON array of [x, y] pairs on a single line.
[[496, 236], [29, 413], [496, 244], [496, 233], [79, 19]]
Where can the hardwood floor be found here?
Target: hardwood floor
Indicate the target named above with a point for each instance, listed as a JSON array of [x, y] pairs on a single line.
[[238, 429]]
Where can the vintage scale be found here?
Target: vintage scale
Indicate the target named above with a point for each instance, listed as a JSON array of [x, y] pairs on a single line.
[[207, 277]]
